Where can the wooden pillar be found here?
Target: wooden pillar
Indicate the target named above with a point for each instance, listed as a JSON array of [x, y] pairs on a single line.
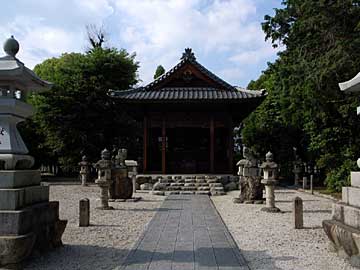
[[212, 144], [163, 145], [145, 141], [231, 144]]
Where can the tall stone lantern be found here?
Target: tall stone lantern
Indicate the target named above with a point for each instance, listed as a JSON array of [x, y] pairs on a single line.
[[269, 168], [343, 229], [28, 221], [104, 166], [85, 167]]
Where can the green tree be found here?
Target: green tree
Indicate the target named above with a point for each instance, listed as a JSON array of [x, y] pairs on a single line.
[[76, 116], [305, 107], [159, 71]]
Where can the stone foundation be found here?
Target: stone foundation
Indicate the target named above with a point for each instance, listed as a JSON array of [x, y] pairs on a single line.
[[345, 240], [343, 229], [202, 185], [28, 221]]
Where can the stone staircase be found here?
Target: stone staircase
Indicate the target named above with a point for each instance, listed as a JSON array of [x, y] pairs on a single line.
[[202, 185]]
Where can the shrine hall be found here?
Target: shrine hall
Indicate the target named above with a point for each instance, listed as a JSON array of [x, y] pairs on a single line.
[[188, 116]]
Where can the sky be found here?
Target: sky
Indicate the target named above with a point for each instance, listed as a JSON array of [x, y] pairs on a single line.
[[225, 35]]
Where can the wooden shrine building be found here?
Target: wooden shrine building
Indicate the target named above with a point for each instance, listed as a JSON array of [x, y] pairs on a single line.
[[188, 117]]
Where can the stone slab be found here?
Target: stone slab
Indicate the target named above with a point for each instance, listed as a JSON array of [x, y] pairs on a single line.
[[347, 214], [14, 249], [19, 178], [186, 233], [355, 179], [344, 240], [19, 222], [13, 199], [351, 195]]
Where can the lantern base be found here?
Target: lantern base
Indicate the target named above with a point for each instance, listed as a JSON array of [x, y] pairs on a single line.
[[271, 209]]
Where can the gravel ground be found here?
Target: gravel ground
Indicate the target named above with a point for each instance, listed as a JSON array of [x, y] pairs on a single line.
[[107, 241], [268, 240]]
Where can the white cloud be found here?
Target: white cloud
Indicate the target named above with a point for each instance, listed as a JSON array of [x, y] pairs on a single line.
[[225, 34], [49, 28], [252, 57], [157, 28]]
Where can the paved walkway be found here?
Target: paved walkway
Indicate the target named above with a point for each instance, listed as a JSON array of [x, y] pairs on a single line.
[[186, 233]]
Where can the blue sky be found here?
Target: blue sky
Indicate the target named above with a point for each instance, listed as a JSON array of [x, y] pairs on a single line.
[[225, 35]]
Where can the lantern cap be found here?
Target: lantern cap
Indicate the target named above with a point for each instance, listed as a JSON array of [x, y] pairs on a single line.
[[105, 154]]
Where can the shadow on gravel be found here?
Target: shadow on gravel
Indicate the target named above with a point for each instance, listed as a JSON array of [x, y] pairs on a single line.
[[312, 228], [318, 211], [71, 257], [262, 260], [290, 201], [146, 210]]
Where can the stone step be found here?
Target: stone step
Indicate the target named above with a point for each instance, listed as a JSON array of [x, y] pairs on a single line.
[[176, 184], [215, 185], [217, 189], [189, 185], [157, 193], [190, 181], [211, 181], [202, 193], [203, 188], [200, 181], [187, 192], [189, 188], [163, 181], [202, 185], [172, 188]]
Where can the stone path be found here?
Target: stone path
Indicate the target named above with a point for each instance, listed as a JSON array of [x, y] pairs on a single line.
[[186, 233]]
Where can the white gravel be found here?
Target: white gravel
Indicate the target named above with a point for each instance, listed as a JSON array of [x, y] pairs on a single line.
[[107, 241], [268, 240]]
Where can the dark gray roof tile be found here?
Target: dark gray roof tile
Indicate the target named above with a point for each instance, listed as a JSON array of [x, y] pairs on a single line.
[[182, 93]]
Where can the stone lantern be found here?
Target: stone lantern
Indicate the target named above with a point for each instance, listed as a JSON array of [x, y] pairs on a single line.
[[84, 170], [343, 230], [104, 181], [132, 166], [269, 168], [297, 168], [28, 221]]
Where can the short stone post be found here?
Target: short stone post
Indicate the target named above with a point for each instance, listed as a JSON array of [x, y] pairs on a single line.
[[298, 213], [84, 212], [104, 178], [311, 184], [269, 168], [305, 184], [84, 170]]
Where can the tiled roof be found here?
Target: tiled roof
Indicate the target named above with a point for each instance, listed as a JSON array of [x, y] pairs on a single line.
[[158, 89], [193, 61], [188, 93]]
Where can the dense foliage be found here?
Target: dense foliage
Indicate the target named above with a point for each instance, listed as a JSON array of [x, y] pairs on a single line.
[[160, 70], [305, 108], [76, 116]]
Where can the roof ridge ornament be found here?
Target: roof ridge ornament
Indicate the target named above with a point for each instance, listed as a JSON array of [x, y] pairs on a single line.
[[11, 46], [188, 55]]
